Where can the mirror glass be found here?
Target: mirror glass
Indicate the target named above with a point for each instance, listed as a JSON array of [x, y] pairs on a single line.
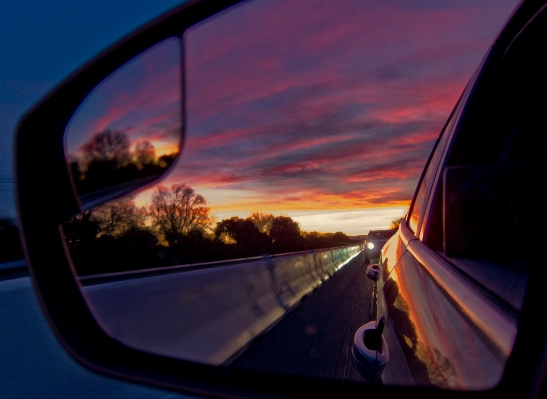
[[127, 131], [308, 125]]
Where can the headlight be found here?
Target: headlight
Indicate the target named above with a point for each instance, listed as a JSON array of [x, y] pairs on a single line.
[[370, 245]]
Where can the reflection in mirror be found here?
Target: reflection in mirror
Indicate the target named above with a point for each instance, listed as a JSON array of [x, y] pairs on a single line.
[[307, 126], [127, 131]]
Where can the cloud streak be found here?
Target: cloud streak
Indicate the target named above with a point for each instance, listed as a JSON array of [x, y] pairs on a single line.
[[331, 107]]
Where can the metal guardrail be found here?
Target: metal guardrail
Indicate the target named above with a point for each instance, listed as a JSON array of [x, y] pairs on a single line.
[[126, 275], [209, 314]]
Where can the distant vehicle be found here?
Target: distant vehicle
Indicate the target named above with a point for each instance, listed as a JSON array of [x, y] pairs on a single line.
[[375, 241]]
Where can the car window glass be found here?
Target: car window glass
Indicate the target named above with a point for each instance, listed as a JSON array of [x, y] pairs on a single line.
[[422, 194], [420, 198], [302, 133], [485, 196]]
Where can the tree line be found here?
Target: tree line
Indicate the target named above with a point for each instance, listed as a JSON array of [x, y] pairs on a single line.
[[177, 228], [108, 159]]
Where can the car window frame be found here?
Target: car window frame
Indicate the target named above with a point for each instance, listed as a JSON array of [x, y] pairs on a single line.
[[433, 168], [482, 271], [464, 114]]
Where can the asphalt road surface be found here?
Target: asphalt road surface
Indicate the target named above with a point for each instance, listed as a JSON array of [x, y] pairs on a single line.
[[316, 338]]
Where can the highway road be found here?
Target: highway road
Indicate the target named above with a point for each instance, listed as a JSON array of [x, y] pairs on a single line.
[[316, 338]]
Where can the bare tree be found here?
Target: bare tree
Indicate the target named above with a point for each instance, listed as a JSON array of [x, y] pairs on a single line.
[[108, 145], [178, 210], [141, 216], [117, 216]]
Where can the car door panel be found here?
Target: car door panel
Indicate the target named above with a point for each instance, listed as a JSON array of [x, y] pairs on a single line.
[[392, 251], [451, 336]]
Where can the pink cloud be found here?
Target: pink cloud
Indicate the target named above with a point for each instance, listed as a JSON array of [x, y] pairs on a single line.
[[156, 94], [337, 109]]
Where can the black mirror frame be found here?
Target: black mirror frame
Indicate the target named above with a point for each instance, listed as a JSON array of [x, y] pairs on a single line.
[[39, 141]]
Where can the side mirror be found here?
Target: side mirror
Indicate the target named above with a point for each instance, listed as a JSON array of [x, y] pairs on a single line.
[[373, 272], [370, 351]]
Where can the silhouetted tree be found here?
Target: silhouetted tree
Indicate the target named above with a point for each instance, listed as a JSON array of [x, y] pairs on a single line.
[[105, 161], [311, 235], [340, 238], [144, 154], [137, 248], [140, 215], [108, 145], [249, 240], [166, 160], [178, 211], [228, 227], [262, 221], [284, 227], [285, 234], [117, 216]]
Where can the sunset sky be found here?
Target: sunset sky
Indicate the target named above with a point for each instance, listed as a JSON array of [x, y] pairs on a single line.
[[325, 111], [142, 99]]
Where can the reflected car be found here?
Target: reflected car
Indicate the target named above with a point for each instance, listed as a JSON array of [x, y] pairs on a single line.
[[375, 241], [452, 297]]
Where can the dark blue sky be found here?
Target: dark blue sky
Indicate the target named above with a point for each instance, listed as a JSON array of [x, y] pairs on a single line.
[[41, 42]]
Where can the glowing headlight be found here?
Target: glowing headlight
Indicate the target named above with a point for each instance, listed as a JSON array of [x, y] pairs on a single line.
[[370, 245]]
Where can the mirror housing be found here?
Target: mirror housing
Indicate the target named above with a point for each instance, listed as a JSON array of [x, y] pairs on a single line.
[[370, 351], [39, 142], [373, 272]]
